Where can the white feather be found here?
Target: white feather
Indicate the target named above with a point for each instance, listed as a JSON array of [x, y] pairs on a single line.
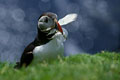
[[52, 49], [67, 19]]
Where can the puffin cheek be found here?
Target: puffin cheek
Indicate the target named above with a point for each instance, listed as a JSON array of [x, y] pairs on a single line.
[[39, 24]]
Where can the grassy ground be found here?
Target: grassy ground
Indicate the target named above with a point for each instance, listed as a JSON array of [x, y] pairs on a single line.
[[101, 66]]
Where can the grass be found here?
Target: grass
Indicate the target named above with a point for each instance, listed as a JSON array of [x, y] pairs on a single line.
[[101, 66]]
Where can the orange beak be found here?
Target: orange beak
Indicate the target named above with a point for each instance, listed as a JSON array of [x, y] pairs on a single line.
[[58, 26]]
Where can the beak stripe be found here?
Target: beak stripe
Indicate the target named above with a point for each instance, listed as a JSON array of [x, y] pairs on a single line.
[[59, 27]]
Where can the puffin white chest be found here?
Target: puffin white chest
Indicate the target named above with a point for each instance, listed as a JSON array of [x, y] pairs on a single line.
[[50, 50]]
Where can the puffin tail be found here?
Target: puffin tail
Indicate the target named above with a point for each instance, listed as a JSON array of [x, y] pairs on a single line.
[[17, 66]]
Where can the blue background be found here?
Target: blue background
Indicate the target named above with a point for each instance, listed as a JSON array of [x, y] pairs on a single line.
[[96, 28]]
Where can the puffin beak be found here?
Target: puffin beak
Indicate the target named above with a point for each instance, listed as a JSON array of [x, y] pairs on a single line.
[[58, 26]]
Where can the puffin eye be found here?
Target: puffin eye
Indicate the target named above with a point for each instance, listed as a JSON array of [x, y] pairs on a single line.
[[46, 20]]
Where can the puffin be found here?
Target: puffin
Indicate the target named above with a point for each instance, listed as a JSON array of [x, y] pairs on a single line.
[[48, 44]]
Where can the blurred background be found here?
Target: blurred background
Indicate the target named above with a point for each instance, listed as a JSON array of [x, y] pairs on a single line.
[[97, 27]]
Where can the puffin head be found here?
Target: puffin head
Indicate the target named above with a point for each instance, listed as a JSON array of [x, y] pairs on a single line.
[[47, 22]]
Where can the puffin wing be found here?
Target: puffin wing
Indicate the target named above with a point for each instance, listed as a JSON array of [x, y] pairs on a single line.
[[67, 19], [26, 57]]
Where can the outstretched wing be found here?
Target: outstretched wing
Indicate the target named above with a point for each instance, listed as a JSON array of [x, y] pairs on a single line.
[[67, 19]]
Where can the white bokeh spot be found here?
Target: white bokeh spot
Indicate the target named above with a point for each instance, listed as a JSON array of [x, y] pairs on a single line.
[[18, 14]]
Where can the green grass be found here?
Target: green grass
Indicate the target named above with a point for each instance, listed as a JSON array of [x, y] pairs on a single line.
[[101, 66]]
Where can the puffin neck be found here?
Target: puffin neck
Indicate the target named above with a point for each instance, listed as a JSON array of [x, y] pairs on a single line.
[[43, 37]]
